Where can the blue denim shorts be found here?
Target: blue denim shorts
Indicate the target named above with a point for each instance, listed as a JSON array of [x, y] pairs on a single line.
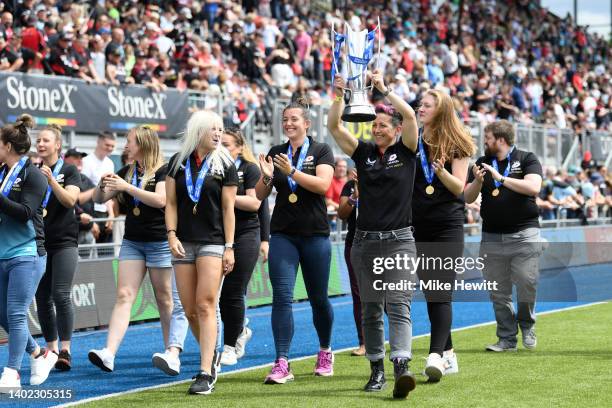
[[194, 250], [155, 254]]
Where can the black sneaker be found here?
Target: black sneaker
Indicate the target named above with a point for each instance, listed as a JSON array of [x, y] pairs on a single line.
[[405, 381], [377, 380], [216, 366], [203, 384], [64, 361]]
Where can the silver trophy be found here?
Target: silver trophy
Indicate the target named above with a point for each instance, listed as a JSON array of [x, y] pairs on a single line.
[[359, 48]]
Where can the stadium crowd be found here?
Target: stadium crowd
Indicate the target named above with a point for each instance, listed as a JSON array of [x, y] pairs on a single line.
[[498, 60], [506, 60]]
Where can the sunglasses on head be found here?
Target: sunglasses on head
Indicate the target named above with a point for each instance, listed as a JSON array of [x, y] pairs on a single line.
[[387, 109]]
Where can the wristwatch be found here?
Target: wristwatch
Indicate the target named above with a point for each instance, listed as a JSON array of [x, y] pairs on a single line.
[[292, 172], [387, 92], [502, 180], [267, 181], [229, 245]]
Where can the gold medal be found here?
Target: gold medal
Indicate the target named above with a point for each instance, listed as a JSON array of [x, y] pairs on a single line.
[[495, 192], [195, 209], [44, 212], [136, 211], [293, 198], [429, 190]]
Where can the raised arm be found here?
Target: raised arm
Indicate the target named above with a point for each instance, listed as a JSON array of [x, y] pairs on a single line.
[[342, 136], [410, 131]]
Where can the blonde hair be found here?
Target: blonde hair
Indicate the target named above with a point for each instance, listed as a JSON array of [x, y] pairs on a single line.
[[152, 159], [447, 137], [246, 153], [201, 123], [56, 130]]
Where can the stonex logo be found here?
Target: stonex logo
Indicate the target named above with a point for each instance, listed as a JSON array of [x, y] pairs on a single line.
[[38, 99], [136, 106]]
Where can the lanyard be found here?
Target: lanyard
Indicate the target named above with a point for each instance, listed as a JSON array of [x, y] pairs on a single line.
[[303, 152], [506, 172], [136, 184], [56, 171], [15, 172], [196, 191], [238, 162], [428, 170]]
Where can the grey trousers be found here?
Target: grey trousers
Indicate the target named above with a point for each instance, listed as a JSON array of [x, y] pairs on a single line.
[[512, 259], [365, 255]]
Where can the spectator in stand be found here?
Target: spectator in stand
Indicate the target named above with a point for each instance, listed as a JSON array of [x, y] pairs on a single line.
[[332, 197], [115, 70], [95, 166], [89, 231], [9, 60]]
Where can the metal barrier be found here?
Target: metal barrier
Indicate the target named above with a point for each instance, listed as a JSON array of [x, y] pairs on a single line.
[[554, 146]]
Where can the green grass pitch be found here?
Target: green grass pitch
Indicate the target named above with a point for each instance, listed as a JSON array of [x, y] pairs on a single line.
[[571, 367]]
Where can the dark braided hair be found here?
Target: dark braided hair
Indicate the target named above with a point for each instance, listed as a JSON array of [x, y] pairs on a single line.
[[17, 134]]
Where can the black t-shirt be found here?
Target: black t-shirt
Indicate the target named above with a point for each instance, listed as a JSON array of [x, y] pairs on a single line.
[[347, 190], [206, 226], [248, 176], [307, 216], [440, 208], [86, 185], [509, 212], [150, 224], [385, 186], [61, 227]]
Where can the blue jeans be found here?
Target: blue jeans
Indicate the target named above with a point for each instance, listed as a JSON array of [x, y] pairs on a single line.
[[178, 322], [313, 254], [17, 286]]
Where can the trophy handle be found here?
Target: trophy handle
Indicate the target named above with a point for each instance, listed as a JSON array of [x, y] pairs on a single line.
[[348, 94]]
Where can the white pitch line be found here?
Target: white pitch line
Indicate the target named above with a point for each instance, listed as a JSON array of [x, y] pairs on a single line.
[[152, 387]]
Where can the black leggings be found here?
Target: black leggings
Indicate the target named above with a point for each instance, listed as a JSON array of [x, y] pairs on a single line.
[[246, 252], [439, 241], [54, 288]]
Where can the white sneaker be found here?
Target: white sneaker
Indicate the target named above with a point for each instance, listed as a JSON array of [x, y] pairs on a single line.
[[242, 341], [450, 359], [41, 366], [10, 381], [434, 367], [103, 359], [167, 362], [229, 355]]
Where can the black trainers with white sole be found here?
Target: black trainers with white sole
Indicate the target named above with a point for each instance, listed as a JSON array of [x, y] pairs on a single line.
[[203, 384]]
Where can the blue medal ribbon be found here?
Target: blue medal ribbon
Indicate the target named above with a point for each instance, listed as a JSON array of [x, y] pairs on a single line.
[[496, 167], [195, 191], [9, 184], [136, 184], [56, 171], [303, 152], [428, 169]]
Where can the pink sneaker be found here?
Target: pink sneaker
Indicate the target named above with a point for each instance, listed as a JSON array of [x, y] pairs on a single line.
[[325, 364], [280, 373]]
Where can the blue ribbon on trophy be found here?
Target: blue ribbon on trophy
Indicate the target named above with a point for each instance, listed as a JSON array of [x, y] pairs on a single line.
[[359, 47]]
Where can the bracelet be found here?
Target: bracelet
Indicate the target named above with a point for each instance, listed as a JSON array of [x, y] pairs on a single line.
[[229, 245], [352, 201], [387, 92], [338, 98], [171, 230], [267, 181]]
